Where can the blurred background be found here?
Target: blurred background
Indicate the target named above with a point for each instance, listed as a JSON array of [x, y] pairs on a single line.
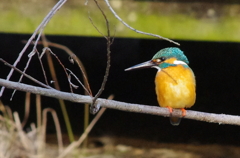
[[209, 34]]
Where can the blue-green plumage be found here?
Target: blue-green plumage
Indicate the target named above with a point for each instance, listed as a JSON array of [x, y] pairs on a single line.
[[165, 65], [171, 52]]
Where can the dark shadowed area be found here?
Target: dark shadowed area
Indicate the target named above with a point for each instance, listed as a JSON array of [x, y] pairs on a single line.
[[215, 64]]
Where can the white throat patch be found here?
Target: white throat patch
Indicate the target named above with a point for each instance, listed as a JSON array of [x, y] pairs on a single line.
[[178, 62], [159, 69]]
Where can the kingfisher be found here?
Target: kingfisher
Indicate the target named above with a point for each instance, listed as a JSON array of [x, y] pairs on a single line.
[[175, 83]]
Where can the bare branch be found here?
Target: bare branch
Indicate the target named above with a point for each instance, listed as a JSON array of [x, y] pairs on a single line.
[[38, 29], [30, 55], [141, 32], [96, 27], [42, 66], [94, 109], [69, 80], [76, 59], [24, 74], [56, 85], [146, 109], [63, 67]]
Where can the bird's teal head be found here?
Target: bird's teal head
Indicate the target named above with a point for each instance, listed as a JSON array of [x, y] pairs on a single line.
[[164, 58]]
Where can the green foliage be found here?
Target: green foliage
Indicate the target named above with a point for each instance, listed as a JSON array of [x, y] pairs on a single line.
[[153, 17]]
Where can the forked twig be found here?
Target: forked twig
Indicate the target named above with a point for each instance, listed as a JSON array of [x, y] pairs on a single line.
[[57, 86], [59, 61], [72, 74], [39, 29], [76, 59], [94, 109]]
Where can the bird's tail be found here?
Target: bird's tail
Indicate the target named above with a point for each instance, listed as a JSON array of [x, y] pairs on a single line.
[[175, 121]]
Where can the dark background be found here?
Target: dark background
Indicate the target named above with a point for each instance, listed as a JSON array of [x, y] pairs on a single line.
[[215, 64]]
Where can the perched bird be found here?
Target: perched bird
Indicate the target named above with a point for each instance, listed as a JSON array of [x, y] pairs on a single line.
[[175, 81]]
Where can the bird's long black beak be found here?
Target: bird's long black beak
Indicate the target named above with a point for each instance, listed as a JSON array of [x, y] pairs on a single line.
[[147, 64]]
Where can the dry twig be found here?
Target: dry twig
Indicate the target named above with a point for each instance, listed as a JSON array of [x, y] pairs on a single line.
[[85, 134], [72, 58], [24, 74], [39, 30], [57, 86], [141, 32], [94, 108]]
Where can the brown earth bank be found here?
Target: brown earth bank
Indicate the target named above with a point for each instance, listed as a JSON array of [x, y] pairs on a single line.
[[124, 147]]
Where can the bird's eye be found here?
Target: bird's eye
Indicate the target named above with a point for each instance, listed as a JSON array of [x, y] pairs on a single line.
[[159, 60], [162, 58]]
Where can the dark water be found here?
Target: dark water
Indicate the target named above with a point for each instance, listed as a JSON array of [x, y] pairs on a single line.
[[215, 64]]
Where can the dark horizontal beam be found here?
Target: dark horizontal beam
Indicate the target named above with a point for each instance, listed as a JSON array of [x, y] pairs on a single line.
[[197, 1]]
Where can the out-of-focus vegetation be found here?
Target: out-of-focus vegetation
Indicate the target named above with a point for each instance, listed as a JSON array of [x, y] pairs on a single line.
[[189, 21]]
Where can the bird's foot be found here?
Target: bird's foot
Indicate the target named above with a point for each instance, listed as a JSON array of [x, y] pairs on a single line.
[[184, 112], [170, 110]]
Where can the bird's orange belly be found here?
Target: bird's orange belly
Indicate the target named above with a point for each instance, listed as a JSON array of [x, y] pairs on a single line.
[[175, 88]]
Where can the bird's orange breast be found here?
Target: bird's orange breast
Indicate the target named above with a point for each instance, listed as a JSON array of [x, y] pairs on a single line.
[[175, 87]]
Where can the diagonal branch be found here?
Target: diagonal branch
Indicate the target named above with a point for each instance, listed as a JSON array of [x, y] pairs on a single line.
[[39, 30], [24, 74], [146, 109], [141, 32]]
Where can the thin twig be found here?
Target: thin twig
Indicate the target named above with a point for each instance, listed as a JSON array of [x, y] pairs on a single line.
[[71, 73], [42, 67], [96, 27], [141, 32], [59, 61], [85, 134], [94, 109], [24, 74], [24, 70], [74, 145], [72, 58], [76, 59], [38, 29], [146, 109], [57, 86]]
